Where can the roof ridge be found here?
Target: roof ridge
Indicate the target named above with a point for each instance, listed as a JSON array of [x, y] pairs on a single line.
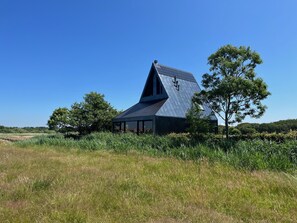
[[173, 72], [174, 69]]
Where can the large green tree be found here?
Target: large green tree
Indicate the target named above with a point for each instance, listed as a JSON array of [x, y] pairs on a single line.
[[231, 89], [93, 114], [59, 120]]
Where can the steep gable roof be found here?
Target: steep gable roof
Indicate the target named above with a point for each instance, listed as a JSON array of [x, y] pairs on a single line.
[[179, 98], [173, 100]]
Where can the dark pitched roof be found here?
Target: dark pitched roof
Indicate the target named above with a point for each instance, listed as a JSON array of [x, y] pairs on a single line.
[[172, 72], [174, 102], [179, 101], [142, 109]]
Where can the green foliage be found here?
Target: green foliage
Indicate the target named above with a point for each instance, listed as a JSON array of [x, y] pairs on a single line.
[[246, 129], [4, 129], [275, 137], [221, 129], [93, 114], [59, 120], [234, 131], [252, 154], [198, 124], [283, 126], [232, 89]]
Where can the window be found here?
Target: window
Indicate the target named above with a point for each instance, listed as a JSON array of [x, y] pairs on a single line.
[[123, 127], [148, 126], [131, 126], [140, 127], [148, 91], [159, 86]]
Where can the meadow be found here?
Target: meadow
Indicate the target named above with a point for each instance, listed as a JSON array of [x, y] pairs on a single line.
[[124, 178]]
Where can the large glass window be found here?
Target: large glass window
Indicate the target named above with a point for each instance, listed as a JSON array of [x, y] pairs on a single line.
[[148, 126], [131, 126], [140, 127], [122, 126]]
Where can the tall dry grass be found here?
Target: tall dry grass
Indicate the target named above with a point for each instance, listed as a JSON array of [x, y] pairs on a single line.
[[55, 184]]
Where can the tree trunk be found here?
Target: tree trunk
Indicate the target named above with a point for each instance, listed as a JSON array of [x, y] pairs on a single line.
[[226, 126]]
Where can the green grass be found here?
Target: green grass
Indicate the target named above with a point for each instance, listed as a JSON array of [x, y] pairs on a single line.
[[54, 184], [242, 154]]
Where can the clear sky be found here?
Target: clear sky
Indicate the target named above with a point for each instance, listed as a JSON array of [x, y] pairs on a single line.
[[53, 52]]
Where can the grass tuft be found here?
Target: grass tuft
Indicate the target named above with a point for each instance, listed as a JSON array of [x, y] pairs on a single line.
[[39, 185]]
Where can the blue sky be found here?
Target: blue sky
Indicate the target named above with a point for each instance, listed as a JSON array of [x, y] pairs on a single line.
[[53, 52]]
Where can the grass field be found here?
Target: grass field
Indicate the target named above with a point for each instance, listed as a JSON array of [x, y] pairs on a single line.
[[59, 185], [13, 137]]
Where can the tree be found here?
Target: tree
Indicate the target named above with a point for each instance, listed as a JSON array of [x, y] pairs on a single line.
[[232, 89], [59, 120], [198, 124], [78, 118], [93, 114]]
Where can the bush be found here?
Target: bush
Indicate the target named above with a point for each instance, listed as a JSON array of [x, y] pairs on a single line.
[[234, 131], [247, 130]]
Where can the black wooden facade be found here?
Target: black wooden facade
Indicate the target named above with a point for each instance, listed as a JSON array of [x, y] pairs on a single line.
[[163, 105]]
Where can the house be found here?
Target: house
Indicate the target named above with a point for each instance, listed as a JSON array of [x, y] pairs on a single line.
[[163, 104]]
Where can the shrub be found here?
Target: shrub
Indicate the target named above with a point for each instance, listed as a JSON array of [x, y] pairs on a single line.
[[234, 131]]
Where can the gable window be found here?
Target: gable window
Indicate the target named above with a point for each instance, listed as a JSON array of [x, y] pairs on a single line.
[[159, 86], [149, 88]]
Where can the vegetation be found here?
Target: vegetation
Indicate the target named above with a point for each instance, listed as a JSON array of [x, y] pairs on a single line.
[[4, 129], [58, 185], [198, 124], [93, 114], [59, 121], [254, 154], [283, 126], [232, 90]]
